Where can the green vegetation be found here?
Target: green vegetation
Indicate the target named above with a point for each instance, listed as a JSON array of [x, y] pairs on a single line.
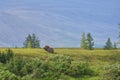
[[112, 72], [108, 44], [64, 64], [83, 43], [6, 57], [31, 41], [90, 42], [115, 45], [87, 41]]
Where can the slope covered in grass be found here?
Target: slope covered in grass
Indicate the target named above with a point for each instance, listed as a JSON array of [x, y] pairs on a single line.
[[97, 61]]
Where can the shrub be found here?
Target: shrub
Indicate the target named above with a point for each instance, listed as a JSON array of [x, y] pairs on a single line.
[[3, 58], [45, 72], [112, 72], [79, 70], [53, 67], [50, 69], [6, 75], [27, 77], [6, 56], [60, 62], [21, 66], [9, 54]]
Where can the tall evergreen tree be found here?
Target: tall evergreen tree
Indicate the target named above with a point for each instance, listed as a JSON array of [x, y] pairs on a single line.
[[115, 45], [90, 42], [27, 41], [83, 42], [108, 44], [119, 35], [31, 42], [37, 43]]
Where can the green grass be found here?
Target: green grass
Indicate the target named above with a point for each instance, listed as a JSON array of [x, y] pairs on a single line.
[[97, 59]]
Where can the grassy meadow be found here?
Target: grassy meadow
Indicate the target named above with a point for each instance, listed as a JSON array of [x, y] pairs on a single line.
[[97, 59]]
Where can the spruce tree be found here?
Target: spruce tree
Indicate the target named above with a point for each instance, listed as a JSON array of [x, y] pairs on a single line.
[[119, 35], [83, 42], [108, 44], [37, 43], [31, 42], [90, 42], [27, 41], [115, 45]]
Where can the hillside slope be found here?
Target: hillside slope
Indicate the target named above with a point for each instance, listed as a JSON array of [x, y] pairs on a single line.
[[96, 60]]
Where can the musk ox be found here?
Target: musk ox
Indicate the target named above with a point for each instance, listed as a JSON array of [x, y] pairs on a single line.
[[49, 49]]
